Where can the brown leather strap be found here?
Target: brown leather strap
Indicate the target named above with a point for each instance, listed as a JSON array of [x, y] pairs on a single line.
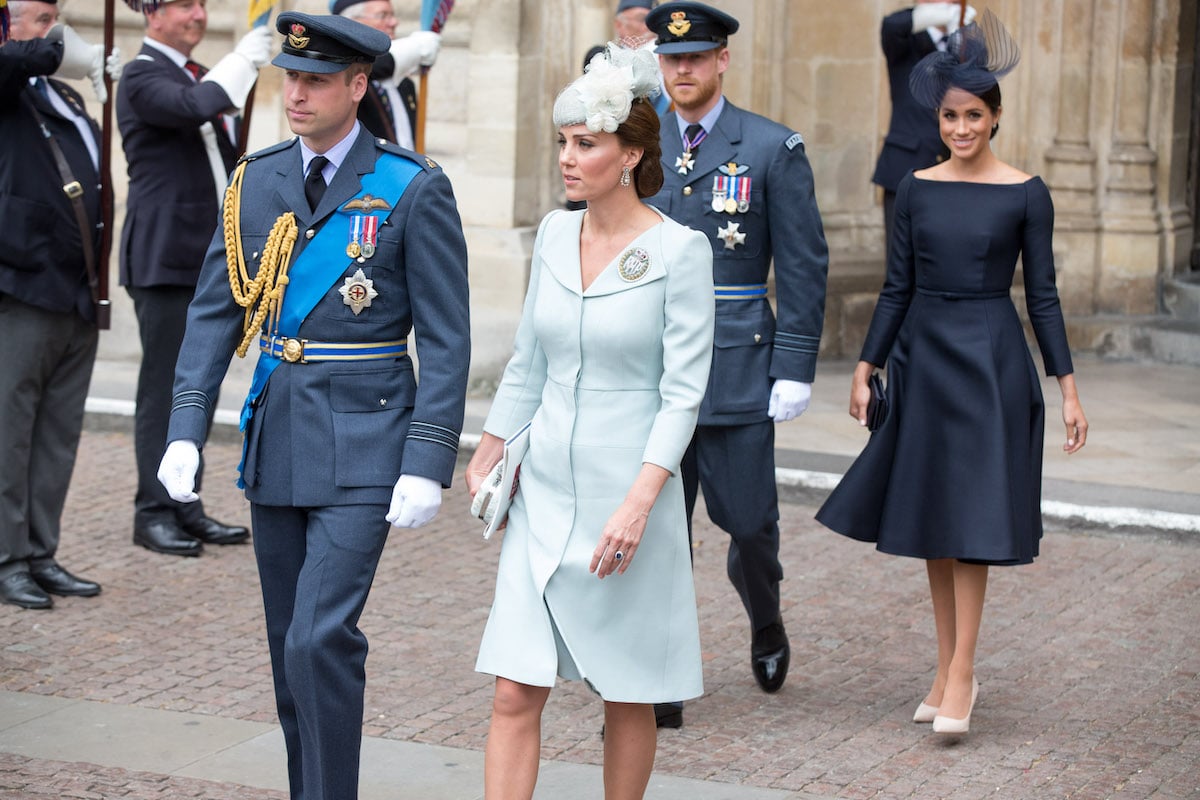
[[73, 189]]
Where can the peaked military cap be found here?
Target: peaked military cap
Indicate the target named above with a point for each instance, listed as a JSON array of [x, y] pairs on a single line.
[[625, 5], [326, 44], [687, 27]]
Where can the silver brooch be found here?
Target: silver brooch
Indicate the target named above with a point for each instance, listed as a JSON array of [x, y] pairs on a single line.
[[634, 264]]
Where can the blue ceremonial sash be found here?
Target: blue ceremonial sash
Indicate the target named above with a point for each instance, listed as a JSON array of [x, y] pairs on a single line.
[[320, 264]]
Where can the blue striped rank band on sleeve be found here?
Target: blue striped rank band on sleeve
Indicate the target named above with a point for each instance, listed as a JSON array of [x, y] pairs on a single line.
[[437, 434], [193, 398], [303, 351], [740, 291], [797, 342]]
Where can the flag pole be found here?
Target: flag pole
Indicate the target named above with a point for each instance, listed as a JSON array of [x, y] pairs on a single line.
[[103, 304]]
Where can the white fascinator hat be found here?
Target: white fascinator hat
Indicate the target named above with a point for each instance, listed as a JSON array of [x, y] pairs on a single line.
[[602, 97]]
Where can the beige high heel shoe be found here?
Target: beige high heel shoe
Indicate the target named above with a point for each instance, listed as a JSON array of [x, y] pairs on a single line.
[[925, 713], [949, 724]]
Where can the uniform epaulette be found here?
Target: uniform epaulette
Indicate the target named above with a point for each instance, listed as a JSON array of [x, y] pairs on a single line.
[[424, 161], [266, 151]]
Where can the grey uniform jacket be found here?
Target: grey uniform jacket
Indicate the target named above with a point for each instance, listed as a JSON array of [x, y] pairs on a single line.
[[339, 433], [782, 222]]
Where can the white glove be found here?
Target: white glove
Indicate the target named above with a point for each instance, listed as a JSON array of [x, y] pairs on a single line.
[[256, 45], [789, 399], [237, 72], [418, 49], [938, 15], [113, 65], [177, 470], [415, 501], [80, 59]]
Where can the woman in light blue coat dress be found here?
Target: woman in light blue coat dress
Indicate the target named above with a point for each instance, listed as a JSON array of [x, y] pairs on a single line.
[[610, 363]]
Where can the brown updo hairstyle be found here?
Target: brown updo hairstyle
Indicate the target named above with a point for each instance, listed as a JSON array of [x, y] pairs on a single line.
[[991, 99], [641, 130]]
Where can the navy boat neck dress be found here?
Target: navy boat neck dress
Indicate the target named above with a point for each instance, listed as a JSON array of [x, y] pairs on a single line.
[[955, 471]]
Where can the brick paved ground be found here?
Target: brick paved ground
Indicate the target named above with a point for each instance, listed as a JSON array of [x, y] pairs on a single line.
[[1088, 660]]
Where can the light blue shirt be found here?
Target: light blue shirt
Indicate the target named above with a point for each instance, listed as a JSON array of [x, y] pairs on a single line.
[[707, 121], [335, 154]]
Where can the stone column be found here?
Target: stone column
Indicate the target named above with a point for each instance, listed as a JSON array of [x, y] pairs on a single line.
[[1071, 160], [1129, 242]]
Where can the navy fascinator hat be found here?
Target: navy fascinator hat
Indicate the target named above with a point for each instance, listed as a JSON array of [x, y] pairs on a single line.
[[975, 59]]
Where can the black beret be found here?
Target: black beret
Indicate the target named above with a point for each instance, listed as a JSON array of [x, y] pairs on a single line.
[[687, 27], [326, 44]]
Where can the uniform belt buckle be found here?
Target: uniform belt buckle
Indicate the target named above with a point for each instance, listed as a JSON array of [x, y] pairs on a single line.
[[293, 350], [73, 189]]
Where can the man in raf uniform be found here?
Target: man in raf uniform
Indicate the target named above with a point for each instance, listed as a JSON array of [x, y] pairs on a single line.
[[389, 108], [50, 191], [325, 276], [745, 182], [180, 146]]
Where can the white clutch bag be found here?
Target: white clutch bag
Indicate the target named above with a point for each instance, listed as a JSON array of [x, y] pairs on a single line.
[[496, 494]]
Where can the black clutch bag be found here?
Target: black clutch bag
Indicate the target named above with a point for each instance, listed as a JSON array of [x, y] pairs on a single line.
[[877, 406]]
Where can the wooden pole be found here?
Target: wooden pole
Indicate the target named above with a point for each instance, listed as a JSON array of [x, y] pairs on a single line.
[[244, 129], [962, 13], [419, 133]]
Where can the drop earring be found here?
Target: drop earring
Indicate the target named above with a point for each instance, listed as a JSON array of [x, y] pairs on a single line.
[[625, 179]]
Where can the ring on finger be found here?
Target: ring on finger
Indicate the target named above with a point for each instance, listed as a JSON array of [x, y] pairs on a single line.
[[618, 556]]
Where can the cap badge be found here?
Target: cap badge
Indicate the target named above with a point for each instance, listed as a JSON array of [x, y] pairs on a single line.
[[634, 263], [679, 24], [358, 291], [296, 38]]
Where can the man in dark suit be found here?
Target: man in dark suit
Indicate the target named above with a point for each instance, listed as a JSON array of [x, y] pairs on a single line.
[[179, 143], [745, 182], [340, 439], [912, 141], [47, 308], [389, 108]]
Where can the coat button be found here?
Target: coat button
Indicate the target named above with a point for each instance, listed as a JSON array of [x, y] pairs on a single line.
[[757, 338], [687, 191], [308, 234], [383, 401]]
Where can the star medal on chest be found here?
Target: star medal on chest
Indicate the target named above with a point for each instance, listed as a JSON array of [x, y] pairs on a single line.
[[737, 196], [364, 227], [686, 162], [731, 235], [358, 291], [634, 263]]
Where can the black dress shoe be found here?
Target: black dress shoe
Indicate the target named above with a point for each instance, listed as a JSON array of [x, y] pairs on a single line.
[[769, 656], [210, 531], [166, 537], [20, 590], [56, 580]]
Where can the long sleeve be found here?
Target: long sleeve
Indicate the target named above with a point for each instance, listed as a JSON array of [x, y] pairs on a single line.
[[898, 285], [520, 390], [1041, 293], [687, 349]]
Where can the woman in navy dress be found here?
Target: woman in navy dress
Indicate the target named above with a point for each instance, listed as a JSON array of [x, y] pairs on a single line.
[[953, 475]]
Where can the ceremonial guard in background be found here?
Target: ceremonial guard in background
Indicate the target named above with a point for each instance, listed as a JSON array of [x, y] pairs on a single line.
[[179, 143], [390, 106], [50, 192], [326, 276], [912, 140], [744, 182]]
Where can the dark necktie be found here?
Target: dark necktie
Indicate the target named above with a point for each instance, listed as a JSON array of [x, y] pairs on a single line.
[[693, 135], [43, 88], [314, 184], [196, 70]]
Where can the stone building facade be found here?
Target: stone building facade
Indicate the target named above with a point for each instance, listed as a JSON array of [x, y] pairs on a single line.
[[1105, 106]]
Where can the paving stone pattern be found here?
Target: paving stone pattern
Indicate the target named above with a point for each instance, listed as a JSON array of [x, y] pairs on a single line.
[[1088, 659]]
